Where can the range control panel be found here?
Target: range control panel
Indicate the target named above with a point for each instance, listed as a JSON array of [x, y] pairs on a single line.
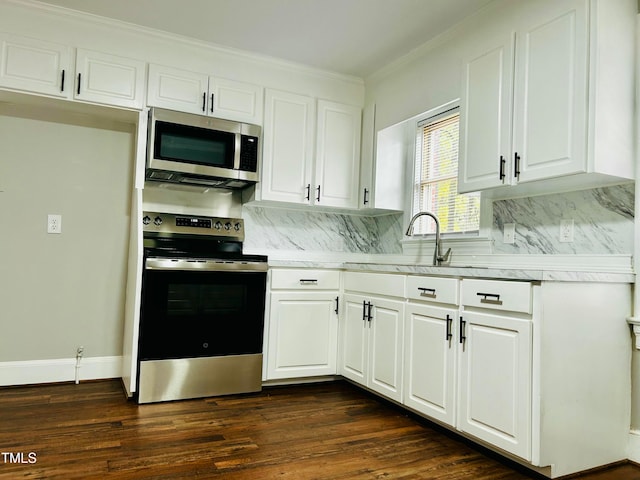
[[169, 223]]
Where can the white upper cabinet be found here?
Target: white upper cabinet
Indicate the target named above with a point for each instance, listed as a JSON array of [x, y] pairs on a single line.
[[42, 67], [382, 166], [177, 89], [485, 127], [289, 129], [36, 66], [236, 100], [311, 153], [550, 108], [535, 95], [193, 92], [337, 154], [109, 79]]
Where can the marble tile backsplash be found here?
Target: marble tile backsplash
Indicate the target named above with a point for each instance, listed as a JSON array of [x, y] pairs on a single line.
[[271, 229], [602, 217], [603, 224]]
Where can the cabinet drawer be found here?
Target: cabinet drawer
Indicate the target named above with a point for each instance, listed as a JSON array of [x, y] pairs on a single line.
[[433, 289], [375, 283], [497, 295], [305, 279]]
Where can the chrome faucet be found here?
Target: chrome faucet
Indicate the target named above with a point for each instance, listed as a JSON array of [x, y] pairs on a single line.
[[438, 258]]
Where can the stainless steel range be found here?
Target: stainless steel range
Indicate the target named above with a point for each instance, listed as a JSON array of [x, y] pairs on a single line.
[[202, 314]]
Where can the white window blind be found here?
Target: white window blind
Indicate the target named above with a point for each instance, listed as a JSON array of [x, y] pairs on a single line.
[[436, 179]]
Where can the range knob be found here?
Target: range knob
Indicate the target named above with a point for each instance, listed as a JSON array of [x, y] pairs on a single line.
[[217, 225], [237, 227], [157, 221], [146, 220], [227, 226]]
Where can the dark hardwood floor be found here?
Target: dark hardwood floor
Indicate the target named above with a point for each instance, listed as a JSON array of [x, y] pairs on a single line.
[[331, 431]]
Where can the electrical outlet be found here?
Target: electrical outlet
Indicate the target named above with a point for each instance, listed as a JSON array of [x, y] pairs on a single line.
[[566, 230], [509, 231], [54, 223]]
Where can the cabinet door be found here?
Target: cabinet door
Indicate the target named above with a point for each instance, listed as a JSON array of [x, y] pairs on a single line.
[[177, 89], [36, 66], [242, 102], [495, 381], [108, 79], [429, 379], [338, 155], [355, 339], [485, 117], [386, 178], [303, 334], [386, 340], [289, 129], [550, 111]]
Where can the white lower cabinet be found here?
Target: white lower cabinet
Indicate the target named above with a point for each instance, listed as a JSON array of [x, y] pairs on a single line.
[[495, 363], [494, 400], [471, 369], [303, 324], [373, 337], [430, 368], [373, 332], [537, 371]]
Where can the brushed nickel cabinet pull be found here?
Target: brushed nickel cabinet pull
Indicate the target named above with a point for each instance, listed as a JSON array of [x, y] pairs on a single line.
[[492, 298], [427, 292]]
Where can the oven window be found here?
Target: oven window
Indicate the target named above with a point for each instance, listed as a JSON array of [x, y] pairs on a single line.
[[199, 314], [189, 144], [195, 299]]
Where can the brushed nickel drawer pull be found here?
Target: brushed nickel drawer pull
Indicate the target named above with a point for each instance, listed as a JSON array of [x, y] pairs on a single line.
[[427, 292], [491, 298]]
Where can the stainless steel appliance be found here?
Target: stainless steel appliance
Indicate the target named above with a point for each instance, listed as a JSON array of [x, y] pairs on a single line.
[[202, 312], [194, 149]]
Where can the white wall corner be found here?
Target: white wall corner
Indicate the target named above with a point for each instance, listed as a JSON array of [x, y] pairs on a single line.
[[59, 370]]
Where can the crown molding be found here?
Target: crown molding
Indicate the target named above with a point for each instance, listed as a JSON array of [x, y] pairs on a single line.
[[68, 13]]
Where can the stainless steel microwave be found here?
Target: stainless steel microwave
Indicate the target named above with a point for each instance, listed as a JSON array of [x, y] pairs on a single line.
[[197, 150]]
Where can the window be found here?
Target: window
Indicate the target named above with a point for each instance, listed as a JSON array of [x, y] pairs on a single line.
[[436, 179]]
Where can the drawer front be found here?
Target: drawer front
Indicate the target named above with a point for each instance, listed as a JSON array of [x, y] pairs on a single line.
[[433, 289], [375, 283], [305, 279], [497, 295]]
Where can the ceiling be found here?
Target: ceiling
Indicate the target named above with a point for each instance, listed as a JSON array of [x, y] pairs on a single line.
[[354, 37]]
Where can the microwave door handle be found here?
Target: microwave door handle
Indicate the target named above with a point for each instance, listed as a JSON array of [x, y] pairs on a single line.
[[236, 153]]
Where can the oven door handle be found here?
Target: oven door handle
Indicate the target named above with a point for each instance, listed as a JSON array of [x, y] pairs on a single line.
[[210, 265]]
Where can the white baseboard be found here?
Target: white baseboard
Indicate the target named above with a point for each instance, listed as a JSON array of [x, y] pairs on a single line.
[[633, 447], [59, 370]]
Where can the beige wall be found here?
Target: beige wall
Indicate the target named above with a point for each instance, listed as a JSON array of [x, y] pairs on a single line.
[[58, 292]]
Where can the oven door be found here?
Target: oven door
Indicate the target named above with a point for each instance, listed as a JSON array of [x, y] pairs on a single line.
[[201, 330], [201, 313]]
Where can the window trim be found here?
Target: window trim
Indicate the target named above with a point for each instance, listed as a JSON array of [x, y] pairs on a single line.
[[486, 206]]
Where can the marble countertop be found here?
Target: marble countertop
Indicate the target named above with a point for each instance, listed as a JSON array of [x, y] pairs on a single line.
[[475, 272]]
